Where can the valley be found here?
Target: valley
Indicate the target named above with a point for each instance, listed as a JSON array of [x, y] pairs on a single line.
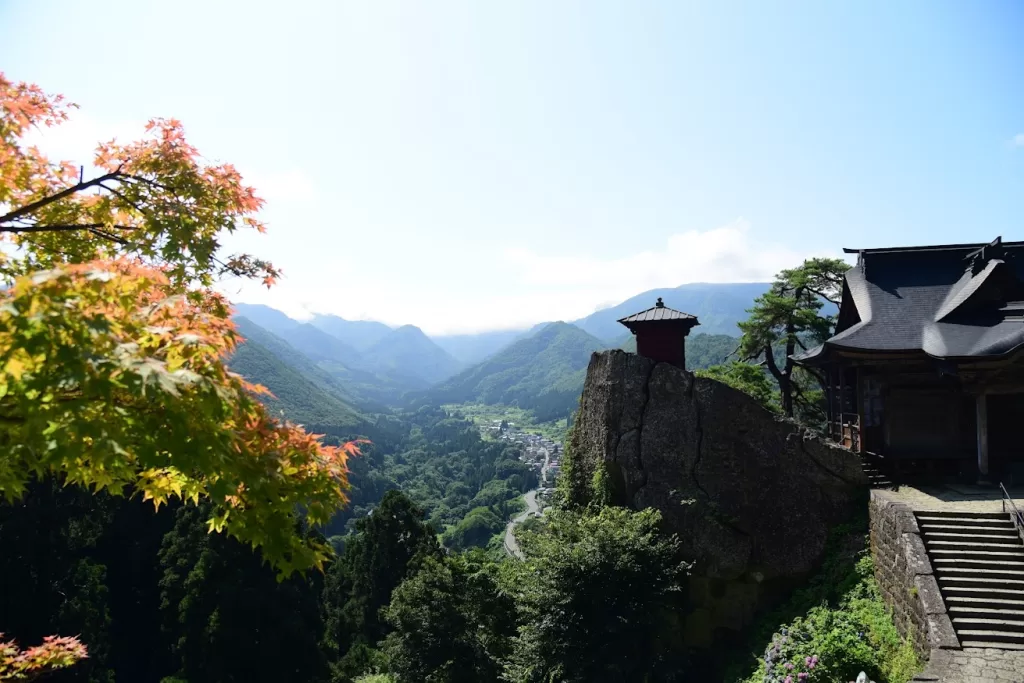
[[430, 405]]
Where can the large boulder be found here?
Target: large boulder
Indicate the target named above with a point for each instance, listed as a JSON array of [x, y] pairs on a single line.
[[752, 496]]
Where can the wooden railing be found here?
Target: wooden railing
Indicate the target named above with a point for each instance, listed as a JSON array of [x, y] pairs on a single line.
[[1015, 514]]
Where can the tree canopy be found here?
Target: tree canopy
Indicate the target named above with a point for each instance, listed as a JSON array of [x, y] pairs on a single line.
[[113, 345], [789, 316]]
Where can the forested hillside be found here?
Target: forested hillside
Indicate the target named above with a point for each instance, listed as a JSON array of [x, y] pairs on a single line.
[[543, 373], [295, 395]]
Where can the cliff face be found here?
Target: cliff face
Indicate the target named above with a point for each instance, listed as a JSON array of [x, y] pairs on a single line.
[[751, 496]]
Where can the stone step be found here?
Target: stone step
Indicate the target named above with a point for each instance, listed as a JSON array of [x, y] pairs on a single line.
[[987, 612], [990, 636], [990, 623], [940, 563], [1010, 538], [974, 544], [981, 530], [979, 573], [976, 601], [946, 581], [989, 593], [932, 515], [985, 643]]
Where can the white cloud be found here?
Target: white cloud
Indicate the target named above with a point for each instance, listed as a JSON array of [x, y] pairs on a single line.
[[525, 287], [1018, 140], [724, 254]]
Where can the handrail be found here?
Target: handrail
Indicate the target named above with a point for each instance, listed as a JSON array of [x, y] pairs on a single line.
[[1016, 516]]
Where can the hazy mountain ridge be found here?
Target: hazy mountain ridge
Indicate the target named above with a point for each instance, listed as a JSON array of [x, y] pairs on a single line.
[[718, 307], [543, 372], [359, 334], [300, 393], [409, 352], [399, 360]]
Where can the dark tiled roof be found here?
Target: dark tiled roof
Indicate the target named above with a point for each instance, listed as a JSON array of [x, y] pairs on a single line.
[[658, 312], [956, 301]]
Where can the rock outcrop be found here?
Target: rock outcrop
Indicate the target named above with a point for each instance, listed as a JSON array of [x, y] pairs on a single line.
[[751, 496]]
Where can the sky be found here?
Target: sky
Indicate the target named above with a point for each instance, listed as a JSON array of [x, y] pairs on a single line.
[[465, 166]]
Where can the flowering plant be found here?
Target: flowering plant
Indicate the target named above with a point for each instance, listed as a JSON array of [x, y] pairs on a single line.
[[783, 661]]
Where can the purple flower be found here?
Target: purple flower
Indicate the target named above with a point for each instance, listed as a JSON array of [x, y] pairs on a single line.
[[802, 676], [789, 665], [789, 679]]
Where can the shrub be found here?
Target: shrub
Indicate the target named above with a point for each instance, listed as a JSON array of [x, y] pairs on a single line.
[[836, 643]]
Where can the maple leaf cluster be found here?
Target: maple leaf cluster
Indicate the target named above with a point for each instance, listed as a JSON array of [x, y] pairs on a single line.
[[24, 665], [113, 348]]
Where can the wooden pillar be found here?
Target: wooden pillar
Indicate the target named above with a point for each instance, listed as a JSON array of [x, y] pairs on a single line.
[[830, 397], [858, 392], [981, 407]]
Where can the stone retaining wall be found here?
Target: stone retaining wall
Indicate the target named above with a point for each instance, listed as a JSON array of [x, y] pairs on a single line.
[[906, 580]]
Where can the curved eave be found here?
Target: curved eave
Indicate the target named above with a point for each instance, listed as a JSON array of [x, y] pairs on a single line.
[[827, 353]]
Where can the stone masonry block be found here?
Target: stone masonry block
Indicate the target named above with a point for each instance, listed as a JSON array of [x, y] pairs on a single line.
[[928, 594], [915, 555], [940, 633]]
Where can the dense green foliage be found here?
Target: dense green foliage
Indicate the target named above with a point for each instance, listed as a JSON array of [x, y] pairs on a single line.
[[837, 621], [443, 464], [543, 373], [452, 623], [748, 378], [597, 595], [219, 599]]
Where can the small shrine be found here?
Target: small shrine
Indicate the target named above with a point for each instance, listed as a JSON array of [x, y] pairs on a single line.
[[661, 333]]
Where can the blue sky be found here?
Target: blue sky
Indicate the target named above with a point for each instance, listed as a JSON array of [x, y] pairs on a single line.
[[474, 165]]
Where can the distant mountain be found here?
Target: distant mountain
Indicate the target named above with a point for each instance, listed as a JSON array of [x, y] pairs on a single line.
[[359, 334], [319, 345], [718, 307], [371, 391], [409, 352], [543, 372], [473, 348], [266, 317], [298, 397]]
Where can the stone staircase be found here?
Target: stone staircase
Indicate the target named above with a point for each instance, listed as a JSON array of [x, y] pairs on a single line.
[[978, 560], [877, 479]]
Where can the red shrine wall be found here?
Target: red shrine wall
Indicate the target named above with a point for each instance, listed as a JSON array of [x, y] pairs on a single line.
[[667, 346]]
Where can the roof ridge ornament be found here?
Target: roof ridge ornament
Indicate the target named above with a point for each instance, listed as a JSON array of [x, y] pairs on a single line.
[[979, 258], [659, 303]]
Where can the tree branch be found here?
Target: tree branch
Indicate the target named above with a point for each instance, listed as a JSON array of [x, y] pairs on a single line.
[[826, 298], [40, 203], [62, 228]]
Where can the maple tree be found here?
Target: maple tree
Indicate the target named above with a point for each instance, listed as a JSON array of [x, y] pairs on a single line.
[[23, 665], [113, 345]]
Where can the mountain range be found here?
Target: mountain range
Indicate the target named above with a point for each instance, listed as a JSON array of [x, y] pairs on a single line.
[[329, 370]]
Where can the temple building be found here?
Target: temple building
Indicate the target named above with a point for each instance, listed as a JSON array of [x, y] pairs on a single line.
[[661, 333], [925, 369]]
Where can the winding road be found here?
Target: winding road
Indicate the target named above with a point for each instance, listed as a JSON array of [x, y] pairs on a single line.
[[532, 508]]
